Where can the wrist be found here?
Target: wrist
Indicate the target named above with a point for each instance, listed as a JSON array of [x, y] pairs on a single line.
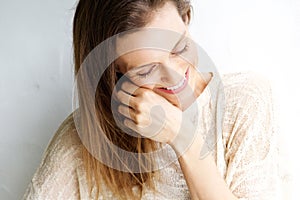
[[184, 137]]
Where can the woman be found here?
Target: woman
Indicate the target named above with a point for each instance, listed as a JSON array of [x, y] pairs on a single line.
[[239, 163]]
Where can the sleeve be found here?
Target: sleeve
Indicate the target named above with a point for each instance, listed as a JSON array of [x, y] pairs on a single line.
[[252, 148], [56, 176]]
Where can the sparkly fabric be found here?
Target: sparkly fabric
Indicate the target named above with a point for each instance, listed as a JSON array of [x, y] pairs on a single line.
[[236, 117]]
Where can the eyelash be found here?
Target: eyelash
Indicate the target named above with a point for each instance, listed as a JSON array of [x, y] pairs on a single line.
[[144, 75], [186, 47]]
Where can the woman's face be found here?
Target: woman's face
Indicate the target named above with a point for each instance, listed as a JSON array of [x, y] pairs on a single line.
[[167, 73]]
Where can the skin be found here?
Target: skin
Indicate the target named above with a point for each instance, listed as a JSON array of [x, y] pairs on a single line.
[[138, 96], [170, 66]]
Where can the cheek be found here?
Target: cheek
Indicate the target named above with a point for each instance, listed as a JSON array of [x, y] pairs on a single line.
[[150, 87], [148, 83], [191, 56]]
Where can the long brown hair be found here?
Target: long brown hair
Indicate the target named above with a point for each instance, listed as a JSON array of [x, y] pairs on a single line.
[[94, 22]]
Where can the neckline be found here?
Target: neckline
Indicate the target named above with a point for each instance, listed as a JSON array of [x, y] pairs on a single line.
[[203, 97], [206, 93]]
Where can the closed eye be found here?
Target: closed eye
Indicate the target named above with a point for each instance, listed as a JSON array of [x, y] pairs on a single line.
[[184, 49], [143, 75]]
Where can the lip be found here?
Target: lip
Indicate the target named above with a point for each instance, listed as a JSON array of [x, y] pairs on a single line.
[[178, 89]]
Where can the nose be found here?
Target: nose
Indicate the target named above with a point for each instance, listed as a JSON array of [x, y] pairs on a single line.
[[171, 73]]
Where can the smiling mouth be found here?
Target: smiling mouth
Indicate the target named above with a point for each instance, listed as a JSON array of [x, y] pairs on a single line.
[[179, 87]]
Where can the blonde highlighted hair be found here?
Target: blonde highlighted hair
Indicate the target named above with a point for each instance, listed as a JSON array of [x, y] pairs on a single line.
[[94, 22]]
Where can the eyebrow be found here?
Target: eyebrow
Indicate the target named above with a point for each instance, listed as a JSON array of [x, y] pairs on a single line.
[[177, 43]]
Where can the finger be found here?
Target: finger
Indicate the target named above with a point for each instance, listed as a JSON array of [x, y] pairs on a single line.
[[114, 95], [129, 87], [124, 98], [127, 112], [130, 124]]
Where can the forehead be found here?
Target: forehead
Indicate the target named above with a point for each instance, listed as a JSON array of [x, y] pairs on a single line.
[[148, 44], [148, 38], [164, 28], [140, 58]]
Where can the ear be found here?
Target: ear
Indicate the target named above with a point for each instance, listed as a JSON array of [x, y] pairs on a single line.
[[117, 68], [187, 17], [119, 74]]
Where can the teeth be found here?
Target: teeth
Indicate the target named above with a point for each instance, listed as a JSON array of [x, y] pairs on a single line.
[[176, 86]]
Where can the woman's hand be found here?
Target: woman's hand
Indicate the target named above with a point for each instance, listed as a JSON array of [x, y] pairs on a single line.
[[148, 113]]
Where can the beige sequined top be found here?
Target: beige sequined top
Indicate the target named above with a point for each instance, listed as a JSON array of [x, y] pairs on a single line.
[[240, 131]]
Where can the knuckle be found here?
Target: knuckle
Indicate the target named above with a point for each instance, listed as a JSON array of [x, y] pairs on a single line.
[[118, 94], [131, 115], [120, 109], [147, 93], [139, 106], [114, 95], [144, 94], [132, 103], [138, 118], [124, 86]]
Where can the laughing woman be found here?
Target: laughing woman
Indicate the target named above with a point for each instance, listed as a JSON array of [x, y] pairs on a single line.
[[239, 161]]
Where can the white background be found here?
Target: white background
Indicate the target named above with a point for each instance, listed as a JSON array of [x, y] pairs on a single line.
[[36, 69]]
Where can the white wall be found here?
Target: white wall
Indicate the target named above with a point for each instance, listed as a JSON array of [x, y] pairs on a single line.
[[261, 36], [35, 84], [36, 69]]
